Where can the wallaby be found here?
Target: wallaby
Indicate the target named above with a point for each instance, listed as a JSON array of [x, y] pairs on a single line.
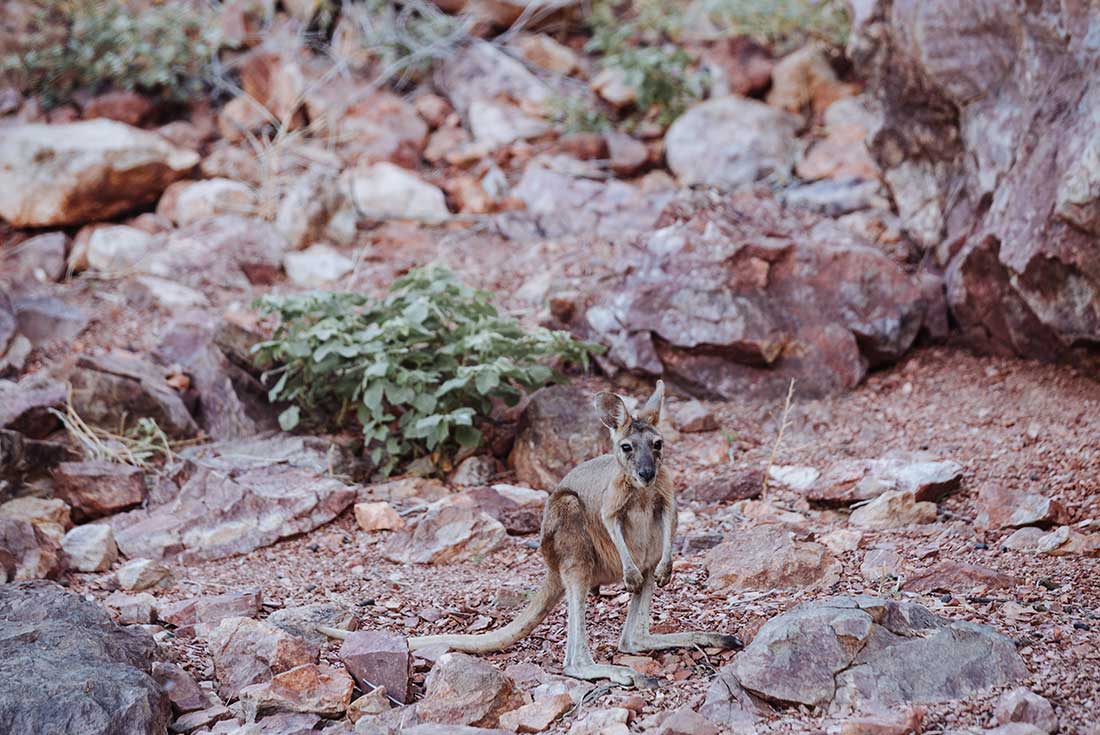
[[611, 518]]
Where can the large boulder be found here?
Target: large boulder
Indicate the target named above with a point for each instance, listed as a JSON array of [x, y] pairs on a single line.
[[742, 297], [863, 652], [238, 496], [84, 171], [559, 430], [994, 164], [65, 666]]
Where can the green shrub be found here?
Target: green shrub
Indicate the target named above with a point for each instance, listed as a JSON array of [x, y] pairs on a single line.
[[576, 115], [783, 24], [417, 369], [405, 39], [98, 44], [658, 71]]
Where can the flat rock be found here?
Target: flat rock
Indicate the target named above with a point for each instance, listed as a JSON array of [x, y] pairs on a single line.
[[90, 548], [210, 609], [309, 688], [61, 655], [379, 659], [516, 518], [730, 141], [768, 556], [538, 715], [80, 172], [559, 430], [240, 496], [464, 690], [880, 564], [1061, 541], [852, 480], [729, 704], [187, 202], [141, 574], [862, 652], [98, 488], [25, 406], [893, 509], [110, 249], [247, 651], [378, 516], [317, 265], [686, 721], [51, 515], [303, 620], [955, 576], [1004, 507], [46, 320], [386, 191], [132, 609], [729, 484], [40, 258], [452, 529]]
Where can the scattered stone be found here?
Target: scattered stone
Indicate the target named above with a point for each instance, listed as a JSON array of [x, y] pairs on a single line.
[[842, 154], [481, 70], [49, 515], [538, 715], [464, 690], [309, 688], [954, 576], [793, 477], [730, 141], [110, 248], [373, 703], [141, 574], [47, 320], [612, 84], [842, 540], [379, 516], [864, 652], [379, 659], [543, 51], [317, 265], [767, 557], [98, 488], [627, 155], [477, 470], [385, 191], [308, 208], [852, 480], [79, 172], [451, 530], [122, 106], [210, 610], [200, 719], [139, 609], [610, 721], [108, 389], [893, 509], [234, 503], [63, 655], [880, 564], [882, 723], [25, 406], [426, 489], [1062, 541], [686, 721], [247, 651], [693, 417], [90, 548], [187, 202], [1023, 705], [836, 197], [494, 123], [1003, 507], [738, 66], [26, 551], [181, 687], [559, 430], [303, 620]]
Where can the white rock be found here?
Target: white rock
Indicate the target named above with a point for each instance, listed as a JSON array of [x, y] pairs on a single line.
[[379, 516], [499, 123], [524, 496], [82, 172], [793, 477], [317, 265], [172, 295], [894, 509], [90, 548], [141, 574], [116, 248], [387, 191], [187, 202]]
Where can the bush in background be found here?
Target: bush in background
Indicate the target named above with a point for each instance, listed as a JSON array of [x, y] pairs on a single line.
[[417, 369]]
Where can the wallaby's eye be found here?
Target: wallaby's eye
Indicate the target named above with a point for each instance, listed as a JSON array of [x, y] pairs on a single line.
[[627, 448], [657, 445]]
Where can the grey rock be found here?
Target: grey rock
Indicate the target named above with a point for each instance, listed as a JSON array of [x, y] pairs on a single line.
[[558, 430], [25, 406], [378, 658], [303, 620]]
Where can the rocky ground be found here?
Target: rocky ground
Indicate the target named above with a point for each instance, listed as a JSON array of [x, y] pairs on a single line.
[[905, 546]]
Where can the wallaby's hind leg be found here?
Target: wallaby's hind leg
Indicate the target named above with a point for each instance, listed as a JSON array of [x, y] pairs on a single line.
[[636, 637], [578, 659]]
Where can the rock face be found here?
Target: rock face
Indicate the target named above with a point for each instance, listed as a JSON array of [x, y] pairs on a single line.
[[772, 296], [730, 141], [61, 655], [559, 431], [766, 557], [85, 171], [994, 166], [464, 690], [233, 502], [451, 530], [861, 652]]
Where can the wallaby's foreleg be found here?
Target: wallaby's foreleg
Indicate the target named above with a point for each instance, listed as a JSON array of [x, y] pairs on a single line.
[[663, 573], [578, 659], [632, 576], [636, 637]]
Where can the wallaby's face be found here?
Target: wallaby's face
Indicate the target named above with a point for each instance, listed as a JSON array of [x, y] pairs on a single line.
[[637, 444]]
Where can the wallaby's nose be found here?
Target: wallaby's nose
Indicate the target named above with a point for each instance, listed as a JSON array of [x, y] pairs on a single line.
[[647, 474]]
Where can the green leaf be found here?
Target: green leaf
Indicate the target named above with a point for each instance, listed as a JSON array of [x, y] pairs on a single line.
[[487, 380], [288, 419], [467, 436]]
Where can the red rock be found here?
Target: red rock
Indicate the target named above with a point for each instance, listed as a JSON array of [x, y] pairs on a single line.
[[559, 430], [766, 557], [381, 128], [247, 651], [805, 79], [464, 690], [90, 548], [885, 723], [584, 146], [139, 609], [373, 703], [628, 156], [538, 715], [98, 488], [380, 516], [141, 574], [25, 406], [308, 688], [850, 480], [452, 529], [377, 658], [516, 518], [686, 721], [729, 484], [1005, 507], [738, 65], [210, 609], [126, 107], [276, 81], [893, 509], [181, 687], [433, 109], [954, 576], [1023, 705], [29, 552]]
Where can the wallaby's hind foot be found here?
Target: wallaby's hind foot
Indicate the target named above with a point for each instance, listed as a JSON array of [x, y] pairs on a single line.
[[621, 675], [687, 639]]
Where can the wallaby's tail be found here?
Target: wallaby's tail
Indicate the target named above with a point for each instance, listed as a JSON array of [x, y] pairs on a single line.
[[544, 600]]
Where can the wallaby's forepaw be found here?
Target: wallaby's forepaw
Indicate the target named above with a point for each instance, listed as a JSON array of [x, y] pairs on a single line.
[[641, 681], [663, 574], [633, 580], [729, 642]]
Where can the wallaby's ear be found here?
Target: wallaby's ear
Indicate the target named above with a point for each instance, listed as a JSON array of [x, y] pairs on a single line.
[[651, 412], [611, 410]]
